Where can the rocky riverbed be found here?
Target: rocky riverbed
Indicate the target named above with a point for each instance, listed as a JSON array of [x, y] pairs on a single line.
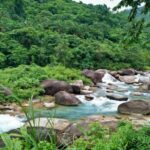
[[114, 95]]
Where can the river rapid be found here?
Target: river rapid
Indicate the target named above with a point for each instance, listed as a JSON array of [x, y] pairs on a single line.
[[100, 104]]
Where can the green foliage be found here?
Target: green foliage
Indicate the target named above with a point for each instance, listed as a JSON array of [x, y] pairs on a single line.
[[24, 81], [96, 138], [68, 33], [124, 138]]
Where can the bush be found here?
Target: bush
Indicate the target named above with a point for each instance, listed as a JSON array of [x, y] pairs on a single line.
[[24, 81]]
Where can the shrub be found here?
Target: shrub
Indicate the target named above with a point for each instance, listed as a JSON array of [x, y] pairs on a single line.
[[24, 81]]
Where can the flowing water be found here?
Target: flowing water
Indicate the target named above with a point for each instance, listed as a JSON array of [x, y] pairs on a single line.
[[99, 105], [8, 123]]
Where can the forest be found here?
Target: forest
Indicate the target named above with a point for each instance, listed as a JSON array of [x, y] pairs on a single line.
[[74, 76], [76, 35]]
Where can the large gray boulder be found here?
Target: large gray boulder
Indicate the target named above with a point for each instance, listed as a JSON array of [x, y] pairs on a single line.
[[95, 76], [127, 72], [144, 79], [144, 87], [64, 98], [128, 79], [135, 106], [51, 87]]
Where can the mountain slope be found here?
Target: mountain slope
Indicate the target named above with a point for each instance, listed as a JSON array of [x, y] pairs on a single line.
[[65, 32]]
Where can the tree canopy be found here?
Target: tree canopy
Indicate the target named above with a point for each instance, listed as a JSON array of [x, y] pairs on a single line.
[[69, 33]]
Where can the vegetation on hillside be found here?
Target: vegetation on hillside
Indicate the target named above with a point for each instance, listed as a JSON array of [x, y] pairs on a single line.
[[72, 34], [24, 81]]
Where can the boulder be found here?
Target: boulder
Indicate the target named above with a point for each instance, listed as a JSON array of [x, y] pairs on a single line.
[[77, 129], [51, 87], [135, 106], [127, 72], [89, 97], [84, 92], [76, 89], [49, 105], [144, 87], [112, 87], [114, 74], [117, 97], [128, 79], [78, 83], [96, 77], [86, 88], [103, 71], [64, 98], [144, 80]]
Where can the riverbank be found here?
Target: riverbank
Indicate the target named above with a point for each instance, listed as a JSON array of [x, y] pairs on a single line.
[[109, 95]]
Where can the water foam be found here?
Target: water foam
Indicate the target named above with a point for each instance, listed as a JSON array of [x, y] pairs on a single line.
[[102, 104], [8, 123]]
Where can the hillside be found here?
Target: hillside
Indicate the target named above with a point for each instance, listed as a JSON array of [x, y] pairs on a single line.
[[64, 32]]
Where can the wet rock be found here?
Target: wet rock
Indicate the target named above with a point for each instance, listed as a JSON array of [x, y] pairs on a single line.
[[114, 74], [64, 98], [117, 97], [89, 97], [51, 87], [11, 109], [86, 88], [135, 106], [145, 80], [102, 71], [78, 83], [76, 89], [108, 78], [96, 77], [49, 105], [144, 87], [127, 72], [84, 92], [137, 93], [128, 79], [112, 87]]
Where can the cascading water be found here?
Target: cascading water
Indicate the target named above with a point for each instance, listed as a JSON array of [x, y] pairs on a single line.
[[8, 123], [99, 105]]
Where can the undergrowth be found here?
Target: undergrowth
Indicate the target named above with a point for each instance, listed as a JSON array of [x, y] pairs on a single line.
[[24, 81], [96, 138]]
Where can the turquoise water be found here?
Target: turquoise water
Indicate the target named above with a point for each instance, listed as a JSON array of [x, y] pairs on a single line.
[[99, 106]]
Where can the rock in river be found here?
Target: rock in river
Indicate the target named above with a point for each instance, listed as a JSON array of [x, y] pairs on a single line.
[[51, 87], [64, 98], [117, 97], [135, 106], [128, 72], [128, 79], [96, 77]]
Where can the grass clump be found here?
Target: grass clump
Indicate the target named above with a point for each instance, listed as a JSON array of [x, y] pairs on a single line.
[[24, 81], [124, 138]]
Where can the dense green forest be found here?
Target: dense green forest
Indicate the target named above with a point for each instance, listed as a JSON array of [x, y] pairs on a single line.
[[72, 34]]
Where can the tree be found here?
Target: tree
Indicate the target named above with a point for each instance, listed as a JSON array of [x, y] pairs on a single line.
[[135, 4], [137, 25]]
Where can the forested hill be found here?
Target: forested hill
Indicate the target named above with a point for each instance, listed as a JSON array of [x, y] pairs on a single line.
[[69, 33]]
